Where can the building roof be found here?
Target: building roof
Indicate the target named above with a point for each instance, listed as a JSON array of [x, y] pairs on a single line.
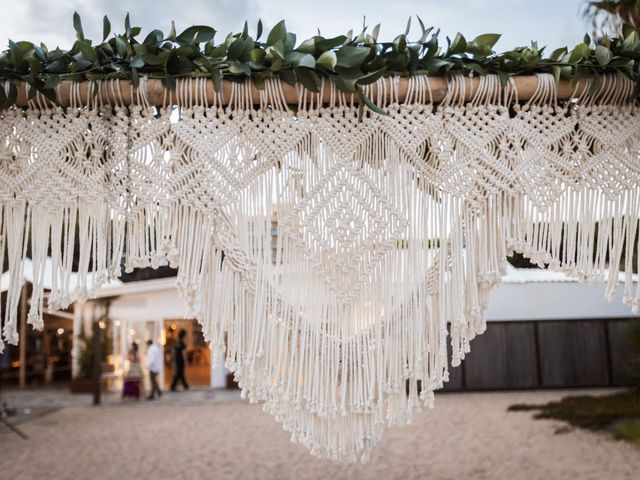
[[131, 288], [28, 275], [537, 275]]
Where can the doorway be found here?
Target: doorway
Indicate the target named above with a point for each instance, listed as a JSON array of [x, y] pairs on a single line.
[[198, 354]]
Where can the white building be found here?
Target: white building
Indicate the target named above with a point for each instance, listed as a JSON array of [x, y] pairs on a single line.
[[152, 309], [535, 294]]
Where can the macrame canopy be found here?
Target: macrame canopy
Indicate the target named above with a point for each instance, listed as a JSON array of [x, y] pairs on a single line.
[[340, 261]]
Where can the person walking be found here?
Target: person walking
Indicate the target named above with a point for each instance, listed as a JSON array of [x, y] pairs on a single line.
[[154, 363], [132, 386], [179, 362]]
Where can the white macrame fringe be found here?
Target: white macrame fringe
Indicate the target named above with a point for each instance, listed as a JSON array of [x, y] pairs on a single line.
[[331, 260]]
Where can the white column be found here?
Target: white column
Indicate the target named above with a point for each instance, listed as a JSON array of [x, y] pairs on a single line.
[[114, 339], [157, 338], [218, 372], [124, 334], [77, 323]]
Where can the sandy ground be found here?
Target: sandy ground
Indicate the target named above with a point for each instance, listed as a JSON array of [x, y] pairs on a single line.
[[467, 436]]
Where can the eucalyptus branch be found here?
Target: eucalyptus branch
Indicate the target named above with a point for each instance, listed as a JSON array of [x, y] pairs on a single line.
[[350, 61]]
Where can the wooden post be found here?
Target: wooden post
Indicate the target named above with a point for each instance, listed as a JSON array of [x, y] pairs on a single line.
[[46, 351], [23, 337], [96, 333]]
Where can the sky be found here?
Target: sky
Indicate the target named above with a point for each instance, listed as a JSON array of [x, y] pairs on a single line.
[[555, 23]]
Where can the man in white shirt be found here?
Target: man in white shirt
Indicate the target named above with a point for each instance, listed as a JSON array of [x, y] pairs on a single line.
[[154, 363]]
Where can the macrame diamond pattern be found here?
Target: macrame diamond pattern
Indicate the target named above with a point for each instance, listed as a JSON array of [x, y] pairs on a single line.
[[345, 225]]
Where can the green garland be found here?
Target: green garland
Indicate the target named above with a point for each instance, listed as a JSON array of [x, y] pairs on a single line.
[[350, 61]]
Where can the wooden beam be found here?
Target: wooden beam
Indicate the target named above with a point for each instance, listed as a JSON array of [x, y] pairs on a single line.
[[46, 350], [61, 314], [123, 92]]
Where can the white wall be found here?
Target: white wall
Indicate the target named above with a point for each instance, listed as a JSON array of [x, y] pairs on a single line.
[[156, 305], [554, 300]]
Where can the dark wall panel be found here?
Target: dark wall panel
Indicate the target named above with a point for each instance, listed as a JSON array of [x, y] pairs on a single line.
[[620, 350], [573, 354], [521, 355], [504, 357], [545, 354], [485, 367]]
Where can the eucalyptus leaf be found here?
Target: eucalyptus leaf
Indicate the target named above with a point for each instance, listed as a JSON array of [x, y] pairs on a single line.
[[345, 85], [603, 55], [106, 28], [324, 44], [259, 30], [327, 60], [179, 65], [487, 39], [172, 32], [288, 77], [151, 59], [87, 50], [236, 49], [580, 52], [375, 32], [298, 59], [400, 43], [290, 41], [257, 55], [139, 49], [308, 46], [216, 78], [121, 47], [558, 53], [351, 56], [127, 25], [309, 79], [135, 77], [52, 81], [277, 34], [77, 25], [408, 28], [137, 62], [458, 45], [258, 82], [367, 101], [57, 66], [371, 77], [238, 68], [196, 34]]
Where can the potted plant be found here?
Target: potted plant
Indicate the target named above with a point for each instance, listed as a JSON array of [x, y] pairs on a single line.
[[83, 381]]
